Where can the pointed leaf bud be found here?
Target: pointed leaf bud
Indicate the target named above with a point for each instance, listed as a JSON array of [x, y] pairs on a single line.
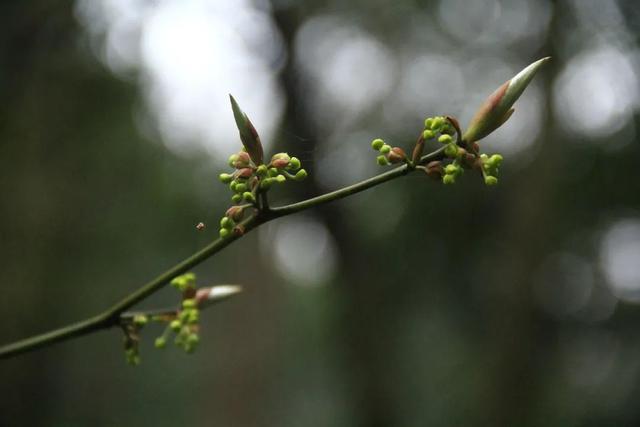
[[248, 134], [497, 107], [207, 296]]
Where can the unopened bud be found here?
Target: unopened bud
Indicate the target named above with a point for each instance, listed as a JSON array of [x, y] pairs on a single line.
[[175, 325], [226, 222], [397, 155], [448, 179], [225, 178], [224, 232], [451, 150], [300, 175], [235, 213], [280, 179], [244, 173], [160, 342], [262, 170], [490, 180], [434, 169], [280, 163], [248, 196], [382, 160], [236, 198], [445, 139], [377, 144], [294, 163], [428, 134]]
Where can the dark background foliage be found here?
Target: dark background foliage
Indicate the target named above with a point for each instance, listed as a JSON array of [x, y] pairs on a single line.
[[417, 304]]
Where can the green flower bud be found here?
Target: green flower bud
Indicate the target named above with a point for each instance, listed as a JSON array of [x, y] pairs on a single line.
[[194, 317], [225, 178], [232, 160], [495, 160], [236, 198], [266, 183], [140, 320], [175, 325], [188, 303], [262, 170], [273, 172], [386, 149], [451, 169], [377, 144], [224, 232], [280, 179], [160, 342], [240, 188], [428, 134], [451, 150], [490, 180], [300, 175], [445, 139], [294, 163], [427, 123], [382, 160], [226, 222], [248, 196], [232, 186], [437, 123], [448, 179]]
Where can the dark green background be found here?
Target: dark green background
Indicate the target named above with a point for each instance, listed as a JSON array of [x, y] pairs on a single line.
[[431, 323]]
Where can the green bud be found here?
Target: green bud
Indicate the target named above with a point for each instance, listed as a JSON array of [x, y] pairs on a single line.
[[140, 320], [233, 159], [428, 134], [225, 178], [240, 188], [160, 342], [262, 170], [232, 186], [386, 149], [497, 108], [451, 169], [248, 134], [175, 325], [273, 172], [437, 123], [280, 179], [428, 122], [300, 175], [226, 222], [382, 160], [266, 183], [495, 160], [189, 303], [448, 179], [377, 144], [248, 196], [490, 180], [236, 198], [294, 163], [445, 139], [224, 232], [451, 150], [194, 317]]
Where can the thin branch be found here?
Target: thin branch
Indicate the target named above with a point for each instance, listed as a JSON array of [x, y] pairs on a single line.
[[112, 316]]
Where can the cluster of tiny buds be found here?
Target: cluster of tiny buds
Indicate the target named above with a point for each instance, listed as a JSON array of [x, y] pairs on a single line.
[[388, 155], [184, 323], [490, 168], [248, 180]]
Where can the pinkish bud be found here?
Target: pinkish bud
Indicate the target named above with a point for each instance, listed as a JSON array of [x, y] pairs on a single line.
[[396, 155]]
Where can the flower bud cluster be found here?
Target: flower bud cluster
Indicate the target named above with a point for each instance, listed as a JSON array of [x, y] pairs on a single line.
[[388, 154], [248, 180], [491, 168], [184, 323]]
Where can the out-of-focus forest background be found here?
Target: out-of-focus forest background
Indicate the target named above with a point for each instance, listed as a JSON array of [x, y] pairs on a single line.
[[412, 304]]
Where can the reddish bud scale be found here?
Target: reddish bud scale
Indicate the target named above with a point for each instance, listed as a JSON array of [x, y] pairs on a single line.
[[279, 163], [236, 213], [434, 169], [243, 173], [397, 155]]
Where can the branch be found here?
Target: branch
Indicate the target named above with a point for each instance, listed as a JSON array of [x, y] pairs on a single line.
[[112, 316]]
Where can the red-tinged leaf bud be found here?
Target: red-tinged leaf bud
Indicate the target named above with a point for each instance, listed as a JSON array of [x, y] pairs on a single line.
[[397, 155], [248, 134], [243, 173], [434, 170], [280, 163], [207, 296], [236, 213], [497, 108]]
